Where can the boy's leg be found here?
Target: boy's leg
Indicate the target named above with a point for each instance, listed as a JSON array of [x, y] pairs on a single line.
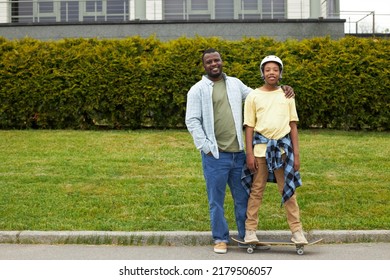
[[256, 194], [291, 205]]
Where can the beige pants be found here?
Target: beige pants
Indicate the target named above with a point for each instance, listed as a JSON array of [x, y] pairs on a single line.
[[256, 197]]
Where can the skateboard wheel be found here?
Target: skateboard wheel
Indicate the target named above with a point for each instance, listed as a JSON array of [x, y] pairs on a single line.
[[250, 250], [300, 251]]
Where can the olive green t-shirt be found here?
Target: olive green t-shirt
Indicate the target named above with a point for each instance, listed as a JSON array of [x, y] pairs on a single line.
[[224, 128]]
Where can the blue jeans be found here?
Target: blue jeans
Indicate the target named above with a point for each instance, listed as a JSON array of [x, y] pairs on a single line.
[[218, 173]]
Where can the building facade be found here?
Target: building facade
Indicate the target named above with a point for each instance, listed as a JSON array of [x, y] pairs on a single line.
[[71, 11], [170, 19]]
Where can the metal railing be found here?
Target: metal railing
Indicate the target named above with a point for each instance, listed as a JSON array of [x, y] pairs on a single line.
[[366, 22]]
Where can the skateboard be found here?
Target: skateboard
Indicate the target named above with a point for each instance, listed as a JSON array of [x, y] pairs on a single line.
[[299, 247]]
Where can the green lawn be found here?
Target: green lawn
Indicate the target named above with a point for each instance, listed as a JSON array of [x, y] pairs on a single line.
[[152, 180]]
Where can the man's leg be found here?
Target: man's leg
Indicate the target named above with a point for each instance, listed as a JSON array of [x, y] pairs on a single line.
[[216, 173], [239, 193]]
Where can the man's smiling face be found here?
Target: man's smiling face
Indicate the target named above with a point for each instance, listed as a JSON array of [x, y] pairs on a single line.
[[212, 64]]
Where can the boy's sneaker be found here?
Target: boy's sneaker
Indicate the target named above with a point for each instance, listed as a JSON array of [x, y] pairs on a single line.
[[258, 247], [299, 238], [250, 236], [220, 248]]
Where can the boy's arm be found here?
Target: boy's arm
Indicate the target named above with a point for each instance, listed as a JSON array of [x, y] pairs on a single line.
[[250, 157], [295, 144]]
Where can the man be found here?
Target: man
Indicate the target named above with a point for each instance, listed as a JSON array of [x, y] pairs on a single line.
[[214, 119]]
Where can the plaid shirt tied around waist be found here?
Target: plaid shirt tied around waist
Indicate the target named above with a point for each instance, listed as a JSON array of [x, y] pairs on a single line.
[[274, 160]]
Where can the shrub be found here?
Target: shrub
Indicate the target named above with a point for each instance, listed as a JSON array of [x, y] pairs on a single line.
[[136, 82]]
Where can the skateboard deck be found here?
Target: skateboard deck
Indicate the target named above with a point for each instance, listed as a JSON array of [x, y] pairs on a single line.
[[299, 247]]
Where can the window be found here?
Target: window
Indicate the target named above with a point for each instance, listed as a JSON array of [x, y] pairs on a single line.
[[121, 10], [273, 9], [93, 10]]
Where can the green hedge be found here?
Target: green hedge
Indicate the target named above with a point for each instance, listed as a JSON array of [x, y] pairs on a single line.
[[136, 82]]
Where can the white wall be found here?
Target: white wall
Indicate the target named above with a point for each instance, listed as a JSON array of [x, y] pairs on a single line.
[[283, 30], [3, 12]]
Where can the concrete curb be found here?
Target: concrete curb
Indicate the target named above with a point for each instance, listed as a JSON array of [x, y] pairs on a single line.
[[177, 238]]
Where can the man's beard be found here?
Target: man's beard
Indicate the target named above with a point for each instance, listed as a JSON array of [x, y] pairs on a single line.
[[214, 75]]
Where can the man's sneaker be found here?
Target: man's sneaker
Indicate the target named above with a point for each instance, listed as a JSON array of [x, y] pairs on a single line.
[[250, 236], [220, 248], [258, 247], [299, 238], [242, 245]]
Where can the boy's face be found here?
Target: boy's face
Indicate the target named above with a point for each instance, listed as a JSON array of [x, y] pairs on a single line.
[[271, 73]]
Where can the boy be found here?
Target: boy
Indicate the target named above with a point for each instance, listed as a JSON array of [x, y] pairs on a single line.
[[270, 122]]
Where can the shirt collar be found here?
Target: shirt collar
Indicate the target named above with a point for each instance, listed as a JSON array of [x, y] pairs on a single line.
[[210, 82]]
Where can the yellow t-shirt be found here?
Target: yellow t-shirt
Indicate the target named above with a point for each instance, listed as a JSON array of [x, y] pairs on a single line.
[[270, 113]]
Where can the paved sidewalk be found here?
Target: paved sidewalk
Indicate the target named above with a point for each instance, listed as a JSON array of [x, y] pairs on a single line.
[[177, 238], [350, 251]]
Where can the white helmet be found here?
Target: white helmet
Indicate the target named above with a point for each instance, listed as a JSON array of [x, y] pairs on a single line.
[[271, 58]]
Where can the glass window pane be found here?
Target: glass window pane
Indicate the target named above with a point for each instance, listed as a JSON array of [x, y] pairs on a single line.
[[199, 5]]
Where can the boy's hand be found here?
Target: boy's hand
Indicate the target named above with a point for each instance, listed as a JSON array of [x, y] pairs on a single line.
[[297, 164], [251, 163]]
